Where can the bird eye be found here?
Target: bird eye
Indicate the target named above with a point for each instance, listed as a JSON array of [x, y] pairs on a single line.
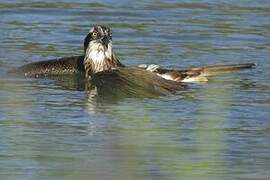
[[94, 34]]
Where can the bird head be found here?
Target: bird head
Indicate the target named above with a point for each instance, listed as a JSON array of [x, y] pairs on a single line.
[[99, 36], [98, 50]]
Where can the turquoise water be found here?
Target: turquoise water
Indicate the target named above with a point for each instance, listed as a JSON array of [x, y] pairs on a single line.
[[217, 130]]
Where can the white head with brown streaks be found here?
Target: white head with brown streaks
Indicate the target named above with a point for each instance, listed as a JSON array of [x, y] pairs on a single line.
[[98, 50]]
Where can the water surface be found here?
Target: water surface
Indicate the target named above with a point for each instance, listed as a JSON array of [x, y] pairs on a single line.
[[217, 130]]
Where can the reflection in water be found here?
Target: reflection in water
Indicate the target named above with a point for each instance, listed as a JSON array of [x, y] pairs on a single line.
[[195, 150], [92, 101], [117, 137]]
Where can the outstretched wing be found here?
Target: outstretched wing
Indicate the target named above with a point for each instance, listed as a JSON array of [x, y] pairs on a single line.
[[61, 66], [71, 65], [133, 82], [198, 74]]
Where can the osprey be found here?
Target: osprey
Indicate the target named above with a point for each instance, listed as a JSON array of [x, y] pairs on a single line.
[[98, 51], [102, 68]]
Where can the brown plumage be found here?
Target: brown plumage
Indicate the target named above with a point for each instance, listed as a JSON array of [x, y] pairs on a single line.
[[199, 73], [133, 81], [61, 66], [103, 69]]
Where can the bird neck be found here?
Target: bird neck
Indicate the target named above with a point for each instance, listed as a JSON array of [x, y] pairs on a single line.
[[99, 58]]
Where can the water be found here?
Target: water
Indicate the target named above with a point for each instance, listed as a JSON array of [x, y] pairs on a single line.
[[217, 130]]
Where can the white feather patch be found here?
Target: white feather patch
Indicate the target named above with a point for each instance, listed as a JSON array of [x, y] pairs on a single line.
[[195, 79], [187, 79], [98, 55], [166, 76]]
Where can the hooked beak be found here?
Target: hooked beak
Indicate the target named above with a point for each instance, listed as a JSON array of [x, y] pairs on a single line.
[[105, 40]]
